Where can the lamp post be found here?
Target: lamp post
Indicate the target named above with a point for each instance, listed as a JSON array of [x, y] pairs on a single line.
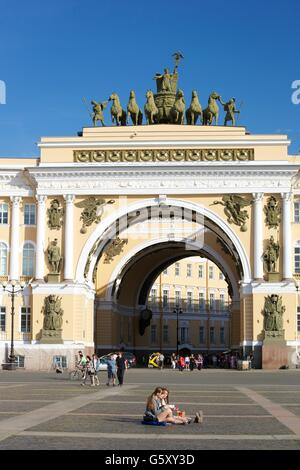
[[178, 311], [297, 285], [12, 292]]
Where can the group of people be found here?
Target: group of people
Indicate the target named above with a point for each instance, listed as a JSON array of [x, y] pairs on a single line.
[[159, 410], [90, 366]]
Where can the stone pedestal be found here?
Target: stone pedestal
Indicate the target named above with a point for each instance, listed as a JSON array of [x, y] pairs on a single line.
[[51, 337], [274, 277], [274, 350], [9, 366], [53, 278]]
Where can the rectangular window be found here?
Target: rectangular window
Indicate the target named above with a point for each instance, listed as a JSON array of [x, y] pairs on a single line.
[[20, 361], [201, 301], [222, 301], [189, 300], [189, 270], [177, 297], [2, 319], [25, 319], [222, 335], [183, 335], [221, 276], [177, 269], [3, 213], [210, 272], [200, 271], [201, 335], [153, 296], [165, 298], [212, 334], [297, 259], [165, 334], [153, 334], [211, 301], [165, 272], [29, 214], [298, 319], [297, 212], [60, 361]]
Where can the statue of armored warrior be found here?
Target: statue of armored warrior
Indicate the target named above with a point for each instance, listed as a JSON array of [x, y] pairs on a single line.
[[271, 255], [273, 312], [52, 313], [229, 107], [272, 211], [54, 257], [55, 215], [97, 111]]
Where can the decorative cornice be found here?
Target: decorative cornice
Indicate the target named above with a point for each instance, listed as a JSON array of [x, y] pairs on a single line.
[[184, 178], [163, 155]]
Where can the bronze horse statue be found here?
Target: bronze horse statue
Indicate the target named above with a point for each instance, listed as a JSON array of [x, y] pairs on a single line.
[[194, 111], [134, 111], [212, 111], [118, 114], [178, 108], [150, 108]]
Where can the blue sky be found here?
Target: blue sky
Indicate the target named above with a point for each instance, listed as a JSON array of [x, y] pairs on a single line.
[[54, 53]]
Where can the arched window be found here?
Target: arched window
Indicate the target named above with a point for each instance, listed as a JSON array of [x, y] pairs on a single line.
[[297, 257], [28, 259], [3, 259]]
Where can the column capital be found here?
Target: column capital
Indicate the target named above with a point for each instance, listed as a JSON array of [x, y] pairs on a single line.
[[257, 197], [41, 198], [69, 198], [16, 200], [287, 197]]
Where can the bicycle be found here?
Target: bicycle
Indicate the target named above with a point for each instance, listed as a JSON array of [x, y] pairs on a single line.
[[78, 373]]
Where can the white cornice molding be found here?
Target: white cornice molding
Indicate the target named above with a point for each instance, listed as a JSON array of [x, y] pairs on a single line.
[[162, 143], [152, 180], [14, 182]]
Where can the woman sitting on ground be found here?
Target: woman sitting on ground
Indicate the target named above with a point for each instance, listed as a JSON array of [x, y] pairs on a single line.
[[165, 404], [156, 413]]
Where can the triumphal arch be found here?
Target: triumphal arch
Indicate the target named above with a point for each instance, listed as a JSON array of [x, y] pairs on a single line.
[[90, 224]]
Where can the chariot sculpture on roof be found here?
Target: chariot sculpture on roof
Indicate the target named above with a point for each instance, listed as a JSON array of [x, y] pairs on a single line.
[[165, 96], [166, 106]]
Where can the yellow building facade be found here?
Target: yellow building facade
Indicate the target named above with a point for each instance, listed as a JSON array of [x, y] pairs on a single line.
[[133, 201], [194, 289]]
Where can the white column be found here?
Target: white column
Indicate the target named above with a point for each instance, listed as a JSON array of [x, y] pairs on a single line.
[[14, 238], [287, 261], [258, 271], [40, 237], [69, 218]]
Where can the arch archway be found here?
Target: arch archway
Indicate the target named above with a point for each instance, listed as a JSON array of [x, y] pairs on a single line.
[[123, 293]]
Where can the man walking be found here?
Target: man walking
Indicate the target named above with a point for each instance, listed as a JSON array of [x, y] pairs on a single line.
[[121, 366]]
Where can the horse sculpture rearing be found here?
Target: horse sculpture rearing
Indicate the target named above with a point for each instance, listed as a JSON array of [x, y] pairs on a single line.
[[118, 114]]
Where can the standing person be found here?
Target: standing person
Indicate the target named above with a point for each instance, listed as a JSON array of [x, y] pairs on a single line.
[[173, 361], [89, 371], [121, 366], [187, 362], [96, 364], [192, 363], [181, 363], [111, 370], [161, 361]]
